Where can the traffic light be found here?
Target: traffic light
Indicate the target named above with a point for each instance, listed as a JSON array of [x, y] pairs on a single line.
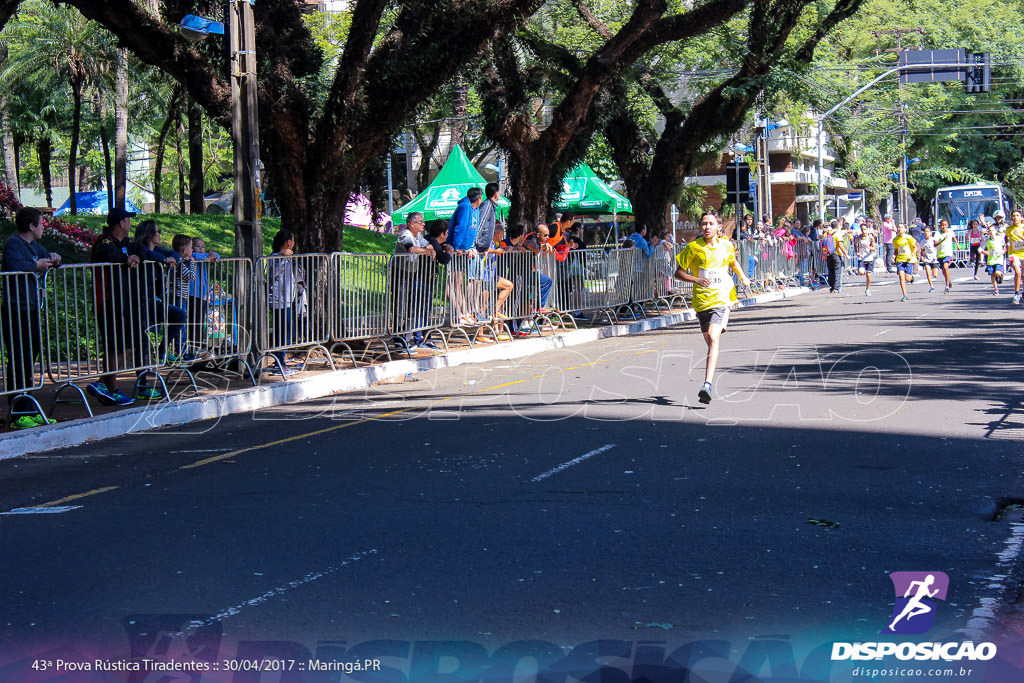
[[737, 182], [979, 74]]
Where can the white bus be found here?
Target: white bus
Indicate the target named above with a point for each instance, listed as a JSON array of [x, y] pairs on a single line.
[[961, 203]]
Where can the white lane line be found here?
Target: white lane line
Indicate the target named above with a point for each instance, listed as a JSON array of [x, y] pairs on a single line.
[[574, 461], [291, 585], [883, 332], [40, 511]]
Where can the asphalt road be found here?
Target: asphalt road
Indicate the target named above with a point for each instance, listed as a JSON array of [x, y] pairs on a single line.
[[578, 495]]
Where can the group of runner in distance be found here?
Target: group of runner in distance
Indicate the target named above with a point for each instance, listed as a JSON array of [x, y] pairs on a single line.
[[706, 263]]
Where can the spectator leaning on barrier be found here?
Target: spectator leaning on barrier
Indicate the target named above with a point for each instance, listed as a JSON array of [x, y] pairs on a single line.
[[488, 219], [409, 303], [147, 237], [639, 238], [118, 310], [199, 290], [285, 284], [537, 243], [19, 316], [465, 222]]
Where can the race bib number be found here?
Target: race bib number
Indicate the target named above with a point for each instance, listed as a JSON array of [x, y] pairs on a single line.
[[904, 250], [1017, 245], [719, 279]]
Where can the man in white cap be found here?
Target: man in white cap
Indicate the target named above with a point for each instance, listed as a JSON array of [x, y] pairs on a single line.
[[1000, 223]]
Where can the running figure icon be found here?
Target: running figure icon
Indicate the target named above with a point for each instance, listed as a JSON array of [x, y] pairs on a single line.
[[915, 606]]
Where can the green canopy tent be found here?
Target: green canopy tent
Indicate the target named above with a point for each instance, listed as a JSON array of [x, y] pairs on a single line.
[[584, 193], [440, 198]]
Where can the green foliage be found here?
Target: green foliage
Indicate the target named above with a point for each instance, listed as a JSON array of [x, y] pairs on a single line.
[[956, 135]]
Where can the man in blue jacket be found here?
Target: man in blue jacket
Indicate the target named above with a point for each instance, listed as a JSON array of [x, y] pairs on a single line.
[[466, 221]]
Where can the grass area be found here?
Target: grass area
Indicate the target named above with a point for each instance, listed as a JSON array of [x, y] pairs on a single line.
[[218, 231]]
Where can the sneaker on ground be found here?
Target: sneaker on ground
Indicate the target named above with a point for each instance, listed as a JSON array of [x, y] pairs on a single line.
[[995, 292], [704, 395], [285, 371], [931, 289], [1016, 298], [149, 394], [122, 400], [429, 345], [867, 292], [905, 298], [946, 290], [100, 391]]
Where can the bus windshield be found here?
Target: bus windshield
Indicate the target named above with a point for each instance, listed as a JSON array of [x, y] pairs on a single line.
[[960, 211]]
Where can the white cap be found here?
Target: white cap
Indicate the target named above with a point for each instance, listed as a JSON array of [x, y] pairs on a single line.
[[999, 214]]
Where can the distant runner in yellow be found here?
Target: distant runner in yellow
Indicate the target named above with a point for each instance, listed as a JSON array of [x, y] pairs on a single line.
[[705, 263], [906, 256], [1015, 251]]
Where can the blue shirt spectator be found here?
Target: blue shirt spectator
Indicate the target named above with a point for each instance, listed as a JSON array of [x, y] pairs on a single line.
[[639, 239], [465, 222]]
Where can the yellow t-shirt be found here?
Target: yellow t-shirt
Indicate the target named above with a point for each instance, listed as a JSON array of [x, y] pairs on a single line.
[[906, 249], [701, 260], [1015, 241]]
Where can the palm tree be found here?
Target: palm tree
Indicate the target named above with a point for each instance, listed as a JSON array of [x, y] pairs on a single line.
[[53, 48]]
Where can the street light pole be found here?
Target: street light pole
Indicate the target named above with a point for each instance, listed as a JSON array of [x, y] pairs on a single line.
[[833, 110], [245, 131]]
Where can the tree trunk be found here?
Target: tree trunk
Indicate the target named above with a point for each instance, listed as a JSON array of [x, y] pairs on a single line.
[[161, 148], [10, 156], [44, 149], [196, 182], [530, 188], [121, 130], [178, 132], [108, 168], [76, 124]]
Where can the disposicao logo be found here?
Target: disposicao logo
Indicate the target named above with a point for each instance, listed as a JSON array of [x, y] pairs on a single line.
[[917, 596]]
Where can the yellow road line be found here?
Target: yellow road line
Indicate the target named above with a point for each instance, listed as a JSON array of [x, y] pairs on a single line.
[[66, 499], [224, 456]]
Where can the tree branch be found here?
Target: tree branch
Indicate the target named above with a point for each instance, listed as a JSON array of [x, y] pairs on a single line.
[[159, 45], [591, 19]]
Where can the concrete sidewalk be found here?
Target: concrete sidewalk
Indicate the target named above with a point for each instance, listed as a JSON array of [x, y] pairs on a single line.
[[83, 430]]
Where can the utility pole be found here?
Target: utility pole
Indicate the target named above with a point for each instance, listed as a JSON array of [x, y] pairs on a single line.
[[901, 120], [245, 132]]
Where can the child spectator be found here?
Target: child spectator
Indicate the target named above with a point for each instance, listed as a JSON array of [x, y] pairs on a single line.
[[199, 290]]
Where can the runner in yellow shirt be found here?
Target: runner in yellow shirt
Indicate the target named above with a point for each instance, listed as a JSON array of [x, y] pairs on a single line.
[[906, 256], [705, 263], [1015, 251]]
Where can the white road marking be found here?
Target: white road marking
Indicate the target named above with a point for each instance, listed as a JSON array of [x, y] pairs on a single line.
[[41, 511], [291, 585], [574, 461], [883, 332]]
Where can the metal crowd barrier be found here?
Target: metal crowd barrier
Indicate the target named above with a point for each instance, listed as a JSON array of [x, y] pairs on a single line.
[[358, 300], [215, 299], [100, 319], [292, 307], [474, 289], [104, 319], [21, 342], [416, 299], [672, 292]]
